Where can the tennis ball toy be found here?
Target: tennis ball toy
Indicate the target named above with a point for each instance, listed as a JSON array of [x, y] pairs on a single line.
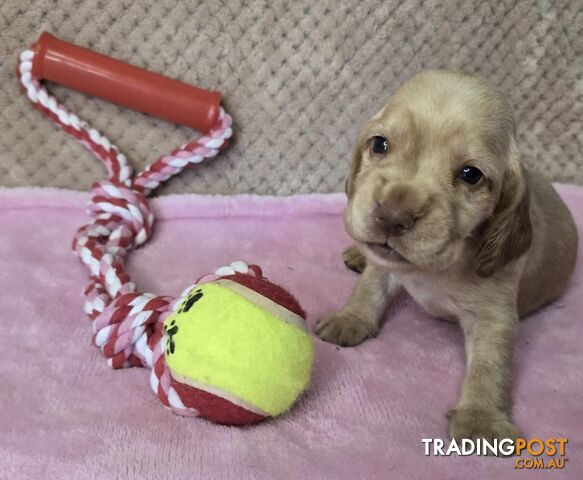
[[234, 348], [237, 348]]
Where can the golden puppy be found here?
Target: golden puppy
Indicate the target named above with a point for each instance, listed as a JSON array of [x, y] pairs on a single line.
[[439, 204]]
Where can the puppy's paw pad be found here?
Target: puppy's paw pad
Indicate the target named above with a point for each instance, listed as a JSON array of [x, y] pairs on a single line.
[[354, 259], [475, 423], [345, 329]]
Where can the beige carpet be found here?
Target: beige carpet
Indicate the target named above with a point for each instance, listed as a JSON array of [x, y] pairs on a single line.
[[299, 77]]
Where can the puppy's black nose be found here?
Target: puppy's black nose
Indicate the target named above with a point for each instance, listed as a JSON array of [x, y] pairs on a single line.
[[393, 221]]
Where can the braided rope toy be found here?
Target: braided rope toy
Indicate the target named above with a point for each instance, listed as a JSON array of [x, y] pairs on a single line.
[[205, 359]]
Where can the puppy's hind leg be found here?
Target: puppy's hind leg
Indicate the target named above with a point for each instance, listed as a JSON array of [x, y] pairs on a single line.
[[354, 259]]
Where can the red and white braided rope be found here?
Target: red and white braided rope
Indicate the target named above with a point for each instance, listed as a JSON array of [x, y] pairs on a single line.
[[127, 326]]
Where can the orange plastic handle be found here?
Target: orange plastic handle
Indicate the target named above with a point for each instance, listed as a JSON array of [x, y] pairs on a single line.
[[104, 77]]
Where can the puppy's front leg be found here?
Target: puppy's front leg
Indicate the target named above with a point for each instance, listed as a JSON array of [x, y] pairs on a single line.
[[484, 408], [361, 316]]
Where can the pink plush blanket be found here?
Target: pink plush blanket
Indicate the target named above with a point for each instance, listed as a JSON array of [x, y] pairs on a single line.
[[65, 414]]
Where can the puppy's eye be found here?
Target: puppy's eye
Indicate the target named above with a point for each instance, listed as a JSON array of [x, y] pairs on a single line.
[[471, 175], [380, 144]]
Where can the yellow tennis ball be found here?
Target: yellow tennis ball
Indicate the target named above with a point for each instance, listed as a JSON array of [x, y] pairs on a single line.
[[238, 350]]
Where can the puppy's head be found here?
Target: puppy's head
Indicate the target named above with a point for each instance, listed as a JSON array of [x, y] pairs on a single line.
[[435, 173]]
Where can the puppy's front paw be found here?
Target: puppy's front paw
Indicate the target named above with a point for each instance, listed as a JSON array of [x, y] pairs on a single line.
[[354, 259], [475, 423], [345, 329]]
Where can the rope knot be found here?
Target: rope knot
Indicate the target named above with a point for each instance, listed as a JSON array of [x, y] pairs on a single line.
[[129, 327], [129, 207]]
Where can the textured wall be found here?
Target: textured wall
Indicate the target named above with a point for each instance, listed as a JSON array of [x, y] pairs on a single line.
[[300, 78]]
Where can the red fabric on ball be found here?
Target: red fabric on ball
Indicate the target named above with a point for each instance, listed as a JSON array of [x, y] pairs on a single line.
[[269, 290], [215, 408]]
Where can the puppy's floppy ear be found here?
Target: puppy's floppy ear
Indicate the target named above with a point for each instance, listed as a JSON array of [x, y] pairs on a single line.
[[355, 165], [508, 233]]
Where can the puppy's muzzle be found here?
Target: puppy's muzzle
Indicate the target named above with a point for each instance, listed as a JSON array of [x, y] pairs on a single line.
[[393, 221], [397, 209]]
